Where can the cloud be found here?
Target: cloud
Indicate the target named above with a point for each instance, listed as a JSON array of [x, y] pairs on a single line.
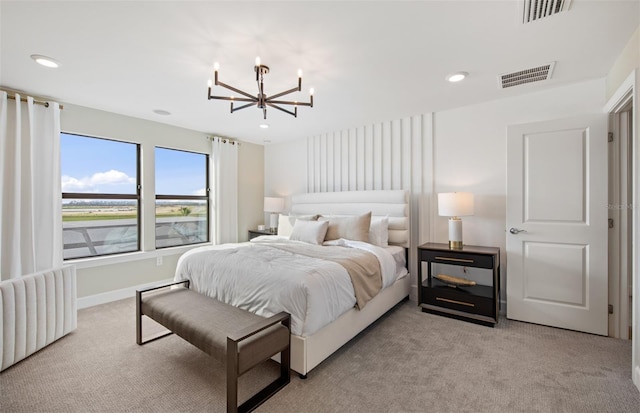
[[200, 192], [111, 177], [91, 183]]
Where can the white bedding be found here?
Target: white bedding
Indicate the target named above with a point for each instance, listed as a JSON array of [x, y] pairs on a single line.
[[400, 256], [265, 280]]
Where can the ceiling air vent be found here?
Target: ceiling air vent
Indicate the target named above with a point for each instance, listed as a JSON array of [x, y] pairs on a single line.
[[537, 9], [521, 77]]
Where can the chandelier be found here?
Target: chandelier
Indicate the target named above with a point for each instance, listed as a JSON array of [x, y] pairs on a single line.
[[261, 100]]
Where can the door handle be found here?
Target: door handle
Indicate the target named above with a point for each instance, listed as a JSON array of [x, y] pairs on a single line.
[[516, 231]]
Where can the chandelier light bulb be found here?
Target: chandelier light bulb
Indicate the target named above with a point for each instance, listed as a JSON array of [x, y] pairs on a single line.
[[311, 91], [258, 61], [209, 83], [216, 66], [299, 72]]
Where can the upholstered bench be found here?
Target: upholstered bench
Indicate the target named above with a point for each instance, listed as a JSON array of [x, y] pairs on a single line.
[[224, 332]]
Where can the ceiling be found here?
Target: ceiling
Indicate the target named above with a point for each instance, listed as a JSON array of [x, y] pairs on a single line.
[[367, 61]]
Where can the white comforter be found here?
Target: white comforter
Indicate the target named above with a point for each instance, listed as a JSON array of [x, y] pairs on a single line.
[[265, 280]]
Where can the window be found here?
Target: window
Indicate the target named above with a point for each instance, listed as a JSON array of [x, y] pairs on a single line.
[[100, 196], [182, 201]]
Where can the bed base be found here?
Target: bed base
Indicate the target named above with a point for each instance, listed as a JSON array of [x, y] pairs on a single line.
[[308, 352]]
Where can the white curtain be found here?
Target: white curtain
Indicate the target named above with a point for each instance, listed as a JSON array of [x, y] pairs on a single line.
[[224, 153], [30, 197]]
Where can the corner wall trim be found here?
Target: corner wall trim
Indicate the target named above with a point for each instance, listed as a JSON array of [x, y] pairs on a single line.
[[623, 94], [109, 296]]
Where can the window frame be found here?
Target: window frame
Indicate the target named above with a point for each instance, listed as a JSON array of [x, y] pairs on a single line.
[[168, 197], [87, 195]]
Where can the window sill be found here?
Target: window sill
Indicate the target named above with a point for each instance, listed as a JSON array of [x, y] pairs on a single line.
[[92, 262]]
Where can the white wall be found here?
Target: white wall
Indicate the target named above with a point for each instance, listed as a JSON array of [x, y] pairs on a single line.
[[250, 188], [108, 274], [628, 60], [285, 166], [469, 153]]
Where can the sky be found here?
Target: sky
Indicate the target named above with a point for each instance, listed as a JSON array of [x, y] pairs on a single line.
[[105, 166]]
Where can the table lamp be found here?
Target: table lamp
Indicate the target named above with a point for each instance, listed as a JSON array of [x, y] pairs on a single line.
[[273, 205], [455, 205]]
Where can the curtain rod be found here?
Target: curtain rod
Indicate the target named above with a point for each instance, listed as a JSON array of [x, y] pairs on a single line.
[[224, 140], [36, 101]]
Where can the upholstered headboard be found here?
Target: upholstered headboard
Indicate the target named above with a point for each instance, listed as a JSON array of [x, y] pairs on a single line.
[[391, 203]]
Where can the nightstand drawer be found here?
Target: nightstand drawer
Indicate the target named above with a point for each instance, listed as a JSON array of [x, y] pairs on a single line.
[[447, 257], [455, 299]]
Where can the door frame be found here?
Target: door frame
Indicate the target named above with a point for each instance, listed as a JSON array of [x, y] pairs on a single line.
[[620, 199], [627, 92]]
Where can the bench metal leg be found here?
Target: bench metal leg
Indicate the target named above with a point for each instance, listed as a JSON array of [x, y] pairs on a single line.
[[232, 376], [260, 397], [139, 315], [263, 395]]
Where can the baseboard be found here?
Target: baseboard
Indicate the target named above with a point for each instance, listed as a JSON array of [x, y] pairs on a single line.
[[109, 296], [636, 377], [413, 293]]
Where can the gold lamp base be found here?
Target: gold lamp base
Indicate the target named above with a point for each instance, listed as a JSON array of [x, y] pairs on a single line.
[[455, 245]]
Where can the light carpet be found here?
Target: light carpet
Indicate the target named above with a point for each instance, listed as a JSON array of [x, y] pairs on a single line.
[[408, 361]]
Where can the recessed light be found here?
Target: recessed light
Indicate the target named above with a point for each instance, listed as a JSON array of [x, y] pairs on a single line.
[[456, 77], [45, 61], [161, 112], [264, 126]]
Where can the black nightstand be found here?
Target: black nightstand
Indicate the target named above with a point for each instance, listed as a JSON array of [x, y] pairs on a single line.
[[257, 232], [479, 303]]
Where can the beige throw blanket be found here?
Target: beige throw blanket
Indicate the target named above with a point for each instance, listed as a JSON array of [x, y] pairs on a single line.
[[363, 267]]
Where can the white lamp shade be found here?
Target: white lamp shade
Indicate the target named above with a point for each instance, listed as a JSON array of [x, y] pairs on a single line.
[[455, 204], [272, 204]]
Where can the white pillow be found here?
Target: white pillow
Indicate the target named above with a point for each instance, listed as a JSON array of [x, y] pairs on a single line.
[[355, 228], [285, 225], [286, 222], [379, 231], [312, 232]]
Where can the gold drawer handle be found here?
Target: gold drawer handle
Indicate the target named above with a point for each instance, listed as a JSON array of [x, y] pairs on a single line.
[[453, 259], [455, 302]]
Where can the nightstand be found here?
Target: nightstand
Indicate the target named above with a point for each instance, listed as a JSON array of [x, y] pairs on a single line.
[[479, 303], [257, 232]]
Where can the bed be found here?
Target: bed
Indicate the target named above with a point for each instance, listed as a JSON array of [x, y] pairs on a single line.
[[324, 287]]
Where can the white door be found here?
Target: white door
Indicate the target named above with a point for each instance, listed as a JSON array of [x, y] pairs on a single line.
[[557, 223]]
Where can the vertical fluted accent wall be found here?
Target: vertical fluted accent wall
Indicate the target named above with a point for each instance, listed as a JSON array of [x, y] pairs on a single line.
[[397, 154]]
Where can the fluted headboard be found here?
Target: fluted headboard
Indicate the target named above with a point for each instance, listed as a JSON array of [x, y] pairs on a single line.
[[391, 203]]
